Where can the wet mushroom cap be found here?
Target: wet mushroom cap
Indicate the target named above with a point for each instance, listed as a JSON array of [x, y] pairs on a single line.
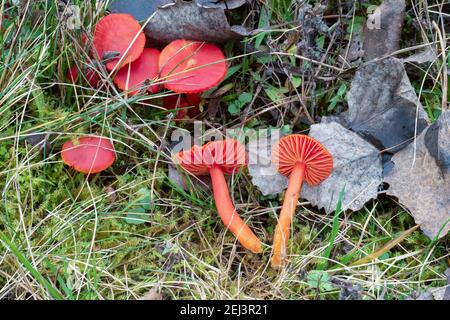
[[296, 148], [227, 154], [114, 35], [90, 154], [191, 66], [135, 74]]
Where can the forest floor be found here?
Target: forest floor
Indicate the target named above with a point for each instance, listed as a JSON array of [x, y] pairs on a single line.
[[64, 235]]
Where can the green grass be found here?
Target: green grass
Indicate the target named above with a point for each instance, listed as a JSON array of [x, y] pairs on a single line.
[[65, 236]]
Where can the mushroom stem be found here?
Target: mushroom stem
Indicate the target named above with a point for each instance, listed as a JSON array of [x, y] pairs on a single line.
[[228, 213], [282, 230]]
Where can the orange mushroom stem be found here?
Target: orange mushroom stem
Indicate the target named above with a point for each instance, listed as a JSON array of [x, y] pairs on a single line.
[[217, 158], [302, 159]]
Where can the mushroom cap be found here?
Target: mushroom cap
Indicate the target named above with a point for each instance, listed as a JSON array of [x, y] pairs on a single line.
[[115, 33], [296, 148], [180, 101], [89, 154], [134, 75], [191, 66], [88, 73], [228, 154]]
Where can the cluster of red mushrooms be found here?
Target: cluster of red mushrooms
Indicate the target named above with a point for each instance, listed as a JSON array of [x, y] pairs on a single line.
[[189, 68]]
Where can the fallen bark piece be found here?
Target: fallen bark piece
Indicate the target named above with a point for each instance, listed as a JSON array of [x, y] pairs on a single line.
[[177, 19]]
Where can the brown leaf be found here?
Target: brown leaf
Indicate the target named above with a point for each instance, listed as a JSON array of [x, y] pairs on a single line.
[[420, 179]]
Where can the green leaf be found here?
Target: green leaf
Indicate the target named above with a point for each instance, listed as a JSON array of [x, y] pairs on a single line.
[[296, 82], [234, 108], [286, 129], [320, 280], [264, 20], [245, 97], [334, 230], [342, 90], [144, 198], [137, 216], [356, 25], [333, 103], [274, 94]]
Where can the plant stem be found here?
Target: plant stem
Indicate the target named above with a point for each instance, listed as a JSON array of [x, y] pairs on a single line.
[[283, 228], [228, 213]]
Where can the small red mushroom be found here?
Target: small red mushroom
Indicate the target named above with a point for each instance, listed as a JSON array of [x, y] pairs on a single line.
[[89, 74], [187, 103], [89, 154], [217, 158], [134, 75], [191, 66], [118, 37], [299, 157]]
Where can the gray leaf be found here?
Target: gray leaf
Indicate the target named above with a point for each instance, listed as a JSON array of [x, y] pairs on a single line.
[[419, 182], [357, 167], [264, 175], [383, 105], [178, 19], [381, 33], [180, 179]]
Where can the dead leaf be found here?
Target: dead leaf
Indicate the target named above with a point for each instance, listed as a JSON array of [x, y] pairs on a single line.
[[224, 4], [180, 179], [178, 19], [264, 175], [383, 107], [153, 294], [357, 167], [447, 290], [427, 55], [420, 179], [381, 34]]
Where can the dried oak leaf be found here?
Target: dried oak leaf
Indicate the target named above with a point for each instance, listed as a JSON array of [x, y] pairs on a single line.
[[383, 107], [357, 168], [382, 32], [178, 19], [420, 178]]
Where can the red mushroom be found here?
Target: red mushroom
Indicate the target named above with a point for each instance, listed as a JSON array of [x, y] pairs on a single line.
[[118, 37], [191, 66], [217, 158], [89, 74], [300, 158], [187, 103], [134, 75], [89, 154]]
